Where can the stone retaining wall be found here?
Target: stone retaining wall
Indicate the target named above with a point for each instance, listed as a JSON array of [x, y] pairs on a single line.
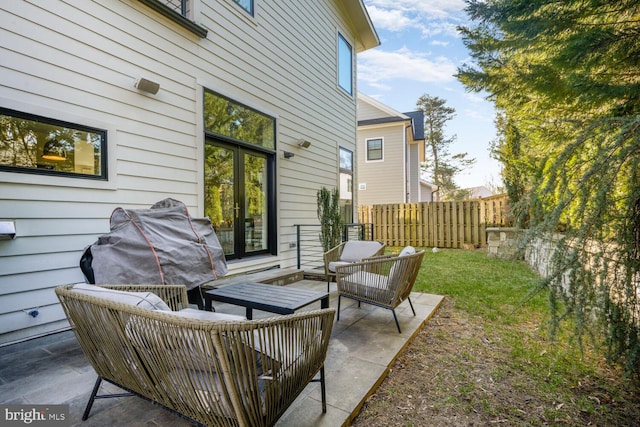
[[503, 242]]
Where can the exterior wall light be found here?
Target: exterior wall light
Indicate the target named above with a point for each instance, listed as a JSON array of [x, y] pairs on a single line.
[[145, 85]]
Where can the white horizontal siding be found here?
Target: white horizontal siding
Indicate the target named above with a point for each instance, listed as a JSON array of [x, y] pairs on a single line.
[[79, 60]]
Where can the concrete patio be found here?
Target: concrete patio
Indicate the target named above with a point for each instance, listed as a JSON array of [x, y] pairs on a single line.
[[364, 344]]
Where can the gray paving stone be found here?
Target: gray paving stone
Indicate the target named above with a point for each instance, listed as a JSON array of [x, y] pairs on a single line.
[[364, 343]]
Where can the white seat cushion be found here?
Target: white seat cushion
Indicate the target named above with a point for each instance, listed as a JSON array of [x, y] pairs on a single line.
[[147, 300], [407, 250], [368, 285], [365, 278], [192, 313], [334, 264]]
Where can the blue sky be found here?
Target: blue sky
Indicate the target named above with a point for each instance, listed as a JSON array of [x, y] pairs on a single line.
[[419, 54]]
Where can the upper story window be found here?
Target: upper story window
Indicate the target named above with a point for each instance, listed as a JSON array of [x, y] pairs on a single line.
[[179, 6], [35, 144], [179, 11], [246, 5], [228, 118], [374, 149], [345, 65]]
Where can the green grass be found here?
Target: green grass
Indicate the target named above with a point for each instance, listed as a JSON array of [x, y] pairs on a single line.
[[505, 297], [480, 285]]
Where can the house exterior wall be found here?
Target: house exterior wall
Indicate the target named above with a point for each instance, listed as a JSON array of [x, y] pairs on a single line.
[[382, 181], [367, 111], [77, 61], [413, 173]]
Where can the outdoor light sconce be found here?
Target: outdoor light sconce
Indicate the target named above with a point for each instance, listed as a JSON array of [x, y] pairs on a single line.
[[288, 154], [7, 230], [147, 85], [303, 143]]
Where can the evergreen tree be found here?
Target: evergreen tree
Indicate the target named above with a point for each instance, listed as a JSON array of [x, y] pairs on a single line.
[[566, 77], [441, 166]]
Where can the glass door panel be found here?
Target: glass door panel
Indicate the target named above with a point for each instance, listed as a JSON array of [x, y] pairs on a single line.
[[255, 202], [236, 198], [220, 199]]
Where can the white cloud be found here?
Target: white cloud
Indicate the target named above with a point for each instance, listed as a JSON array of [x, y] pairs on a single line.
[[439, 43], [429, 17], [375, 67], [474, 97], [427, 9], [391, 20]]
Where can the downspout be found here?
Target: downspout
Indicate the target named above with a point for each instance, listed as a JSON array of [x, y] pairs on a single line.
[[407, 183], [434, 192]]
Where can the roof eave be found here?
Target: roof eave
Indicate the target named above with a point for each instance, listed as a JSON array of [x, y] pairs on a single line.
[[367, 35]]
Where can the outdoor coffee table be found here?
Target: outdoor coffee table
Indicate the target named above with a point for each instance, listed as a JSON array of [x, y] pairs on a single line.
[[271, 298]]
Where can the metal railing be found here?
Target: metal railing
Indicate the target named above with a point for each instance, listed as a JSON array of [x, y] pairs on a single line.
[[309, 248], [178, 6]]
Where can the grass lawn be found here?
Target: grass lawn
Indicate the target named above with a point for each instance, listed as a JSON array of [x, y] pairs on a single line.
[[486, 357]]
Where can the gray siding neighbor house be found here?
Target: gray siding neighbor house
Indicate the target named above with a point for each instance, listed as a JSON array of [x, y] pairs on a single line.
[[389, 151]]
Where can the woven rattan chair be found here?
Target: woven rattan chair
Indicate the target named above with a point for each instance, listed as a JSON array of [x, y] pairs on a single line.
[[348, 252], [384, 281], [242, 372]]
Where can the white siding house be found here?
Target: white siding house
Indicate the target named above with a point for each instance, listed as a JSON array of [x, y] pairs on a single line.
[[389, 152], [73, 64]]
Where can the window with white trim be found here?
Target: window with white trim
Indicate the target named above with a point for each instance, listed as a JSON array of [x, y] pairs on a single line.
[[374, 149]]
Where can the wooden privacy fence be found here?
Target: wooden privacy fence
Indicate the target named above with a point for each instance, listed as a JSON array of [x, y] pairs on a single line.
[[437, 224]]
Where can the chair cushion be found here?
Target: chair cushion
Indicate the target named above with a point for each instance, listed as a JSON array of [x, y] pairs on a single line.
[[355, 250], [407, 250], [334, 264], [192, 313], [368, 285], [147, 300]]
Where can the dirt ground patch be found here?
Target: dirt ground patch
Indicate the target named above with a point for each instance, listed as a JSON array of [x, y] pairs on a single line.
[[456, 373]]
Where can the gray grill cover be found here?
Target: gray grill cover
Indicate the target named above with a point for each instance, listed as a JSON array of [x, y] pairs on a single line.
[[161, 245]]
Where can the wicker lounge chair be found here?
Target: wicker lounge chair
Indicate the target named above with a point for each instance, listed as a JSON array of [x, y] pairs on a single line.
[[348, 252], [384, 281], [226, 372]]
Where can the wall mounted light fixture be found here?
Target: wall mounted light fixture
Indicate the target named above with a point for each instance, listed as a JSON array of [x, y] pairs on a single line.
[[7, 230], [146, 85], [288, 154], [303, 143]]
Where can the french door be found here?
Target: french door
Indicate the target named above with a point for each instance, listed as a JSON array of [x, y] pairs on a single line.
[[238, 197]]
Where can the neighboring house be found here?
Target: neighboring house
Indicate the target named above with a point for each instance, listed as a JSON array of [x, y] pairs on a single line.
[[478, 192], [107, 103], [389, 152]]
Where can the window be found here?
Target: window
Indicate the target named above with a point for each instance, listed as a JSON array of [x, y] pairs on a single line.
[[179, 11], [239, 167], [374, 149], [345, 65], [178, 6], [246, 5], [40, 145], [346, 185], [228, 118]]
